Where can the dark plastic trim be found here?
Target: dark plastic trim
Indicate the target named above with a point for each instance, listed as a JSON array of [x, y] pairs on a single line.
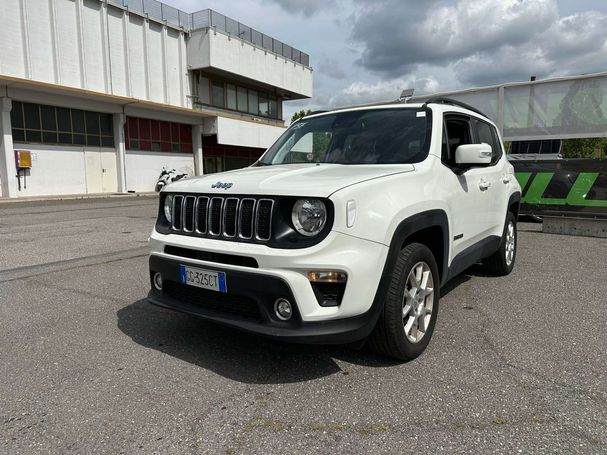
[[473, 254], [452, 102]]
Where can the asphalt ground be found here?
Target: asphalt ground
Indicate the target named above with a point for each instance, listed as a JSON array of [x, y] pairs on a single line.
[[516, 364]]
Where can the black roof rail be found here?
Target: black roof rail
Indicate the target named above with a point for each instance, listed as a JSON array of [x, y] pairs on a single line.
[[315, 112], [452, 102]]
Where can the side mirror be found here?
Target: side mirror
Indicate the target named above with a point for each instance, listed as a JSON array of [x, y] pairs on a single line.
[[473, 154]]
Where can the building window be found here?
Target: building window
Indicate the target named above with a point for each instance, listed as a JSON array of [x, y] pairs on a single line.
[[157, 136], [36, 123], [264, 105], [218, 94], [253, 102], [231, 95], [242, 99], [236, 98]]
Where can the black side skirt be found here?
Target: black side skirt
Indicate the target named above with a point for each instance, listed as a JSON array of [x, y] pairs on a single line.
[[473, 254]]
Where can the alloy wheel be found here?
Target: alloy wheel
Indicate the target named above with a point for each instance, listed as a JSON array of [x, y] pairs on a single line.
[[418, 302]]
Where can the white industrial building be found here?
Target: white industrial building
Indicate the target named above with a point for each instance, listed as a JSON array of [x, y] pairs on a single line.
[[104, 93]]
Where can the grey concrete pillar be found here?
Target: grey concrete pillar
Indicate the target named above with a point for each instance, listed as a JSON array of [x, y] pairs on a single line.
[[120, 145], [197, 148], [8, 169]]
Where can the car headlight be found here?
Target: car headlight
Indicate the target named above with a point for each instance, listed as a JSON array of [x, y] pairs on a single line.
[[168, 208], [309, 216]]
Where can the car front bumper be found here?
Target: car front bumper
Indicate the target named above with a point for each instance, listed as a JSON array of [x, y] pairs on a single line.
[[249, 306], [253, 291]]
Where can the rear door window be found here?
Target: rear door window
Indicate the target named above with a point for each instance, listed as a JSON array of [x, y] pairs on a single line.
[[486, 133]]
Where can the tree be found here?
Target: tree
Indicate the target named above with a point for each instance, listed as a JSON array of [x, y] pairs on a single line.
[[300, 114], [584, 148]]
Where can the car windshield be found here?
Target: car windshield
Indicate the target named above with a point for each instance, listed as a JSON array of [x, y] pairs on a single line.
[[370, 136]]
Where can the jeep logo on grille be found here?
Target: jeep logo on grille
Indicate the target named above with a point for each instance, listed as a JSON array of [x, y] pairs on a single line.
[[224, 185]]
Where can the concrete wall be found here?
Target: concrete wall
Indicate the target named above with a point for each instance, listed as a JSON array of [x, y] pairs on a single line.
[[248, 134], [209, 49], [143, 168], [94, 46]]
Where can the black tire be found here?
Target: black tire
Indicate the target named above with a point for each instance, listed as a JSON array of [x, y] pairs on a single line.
[[497, 264], [388, 336]]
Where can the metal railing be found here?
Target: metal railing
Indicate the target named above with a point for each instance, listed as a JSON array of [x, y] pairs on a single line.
[[208, 18], [570, 107]]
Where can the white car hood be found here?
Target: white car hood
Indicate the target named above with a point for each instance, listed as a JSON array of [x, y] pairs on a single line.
[[288, 179]]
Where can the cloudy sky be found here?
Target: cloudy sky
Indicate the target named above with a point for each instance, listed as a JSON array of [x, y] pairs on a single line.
[[365, 51]]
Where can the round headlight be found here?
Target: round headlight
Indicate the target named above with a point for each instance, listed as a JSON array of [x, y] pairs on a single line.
[[168, 208], [309, 216]]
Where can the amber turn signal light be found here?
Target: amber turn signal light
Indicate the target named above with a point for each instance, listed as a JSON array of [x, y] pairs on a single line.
[[327, 277]]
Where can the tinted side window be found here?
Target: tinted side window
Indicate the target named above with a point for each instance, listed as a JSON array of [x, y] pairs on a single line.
[[458, 133], [498, 151], [487, 134]]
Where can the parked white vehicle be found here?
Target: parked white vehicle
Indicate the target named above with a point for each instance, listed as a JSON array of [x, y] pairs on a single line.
[[344, 230]]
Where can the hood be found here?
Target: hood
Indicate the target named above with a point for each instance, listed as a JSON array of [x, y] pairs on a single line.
[[288, 179]]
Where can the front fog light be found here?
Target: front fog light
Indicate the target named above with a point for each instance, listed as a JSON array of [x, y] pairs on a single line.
[[283, 309], [168, 208], [158, 281], [309, 216]]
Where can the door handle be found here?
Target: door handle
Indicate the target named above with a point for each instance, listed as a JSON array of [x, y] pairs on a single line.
[[484, 184], [506, 179]]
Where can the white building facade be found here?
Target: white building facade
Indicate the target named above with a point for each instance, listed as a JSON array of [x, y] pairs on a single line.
[[105, 93]]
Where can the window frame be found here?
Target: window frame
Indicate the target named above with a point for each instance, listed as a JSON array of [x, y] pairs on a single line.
[[161, 136], [274, 102], [496, 155], [59, 134], [450, 162]]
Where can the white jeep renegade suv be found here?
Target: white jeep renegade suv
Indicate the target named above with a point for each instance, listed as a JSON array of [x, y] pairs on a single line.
[[344, 230]]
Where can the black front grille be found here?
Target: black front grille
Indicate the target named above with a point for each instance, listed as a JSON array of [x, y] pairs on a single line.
[[223, 217], [229, 217], [263, 219], [209, 256], [218, 302], [188, 214], [245, 223], [215, 216]]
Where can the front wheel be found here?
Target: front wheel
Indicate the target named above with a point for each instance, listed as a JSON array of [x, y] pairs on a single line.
[[406, 324], [501, 262]]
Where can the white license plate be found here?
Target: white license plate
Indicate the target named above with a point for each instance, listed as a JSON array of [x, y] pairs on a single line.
[[207, 279]]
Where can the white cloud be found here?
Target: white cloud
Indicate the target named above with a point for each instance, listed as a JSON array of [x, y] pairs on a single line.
[[305, 7], [396, 40], [571, 45]]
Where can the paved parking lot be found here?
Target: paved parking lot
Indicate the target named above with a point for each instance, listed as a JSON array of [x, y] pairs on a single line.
[[515, 364]]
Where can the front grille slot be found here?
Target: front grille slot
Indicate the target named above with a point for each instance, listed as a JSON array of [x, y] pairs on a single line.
[[229, 217], [201, 214], [177, 211], [223, 217], [188, 213], [245, 218], [215, 216], [263, 219]]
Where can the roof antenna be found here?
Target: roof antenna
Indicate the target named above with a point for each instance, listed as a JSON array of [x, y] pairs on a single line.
[[406, 95]]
